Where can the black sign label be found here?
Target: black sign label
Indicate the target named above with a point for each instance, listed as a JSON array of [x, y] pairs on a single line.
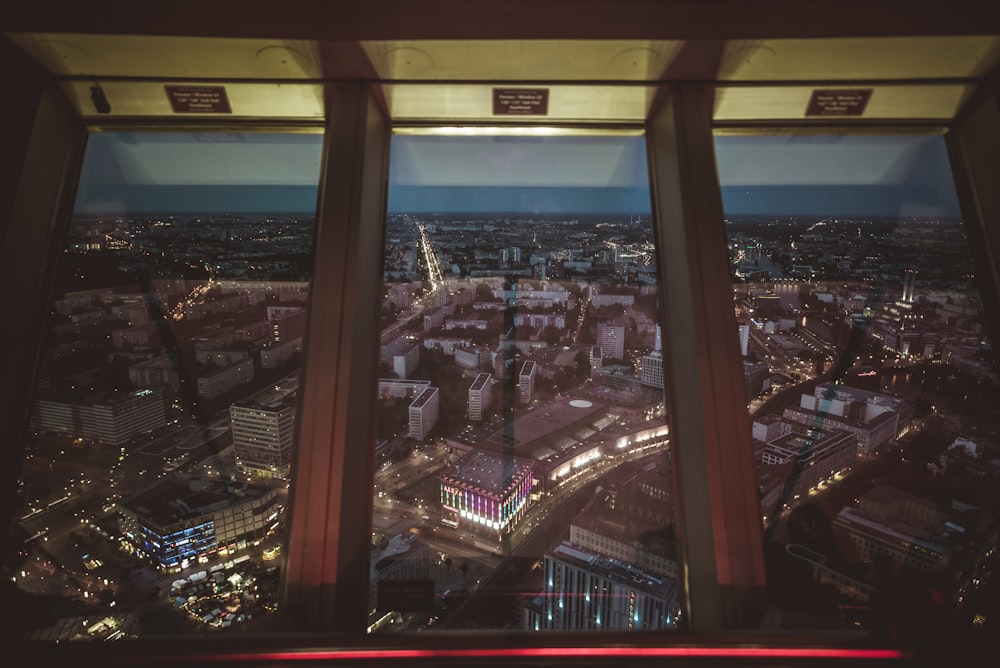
[[405, 595], [839, 102], [198, 99], [520, 101]]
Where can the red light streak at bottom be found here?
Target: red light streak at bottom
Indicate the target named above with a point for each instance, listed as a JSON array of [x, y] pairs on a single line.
[[571, 652]]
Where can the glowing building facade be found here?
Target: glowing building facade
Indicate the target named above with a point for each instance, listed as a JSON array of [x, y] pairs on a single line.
[[487, 492]]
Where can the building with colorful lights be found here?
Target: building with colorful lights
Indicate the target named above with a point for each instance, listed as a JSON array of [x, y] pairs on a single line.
[[486, 492], [181, 518]]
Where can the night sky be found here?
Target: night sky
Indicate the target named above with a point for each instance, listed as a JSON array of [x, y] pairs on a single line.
[[177, 173]]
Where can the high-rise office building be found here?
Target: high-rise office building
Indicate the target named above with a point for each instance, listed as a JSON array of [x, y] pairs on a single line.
[[424, 412], [584, 591], [651, 374], [263, 437], [611, 339], [526, 381], [480, 393]]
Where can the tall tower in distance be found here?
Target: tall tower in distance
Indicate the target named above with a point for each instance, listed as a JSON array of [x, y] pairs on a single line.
[[909, 283], [480, 395]]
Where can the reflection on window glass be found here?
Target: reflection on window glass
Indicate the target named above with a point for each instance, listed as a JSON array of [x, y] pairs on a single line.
[[523, 478], [871, 380], [157, 464]]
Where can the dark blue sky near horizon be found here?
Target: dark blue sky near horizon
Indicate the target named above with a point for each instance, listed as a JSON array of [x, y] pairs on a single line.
[[200, 172], [836, 175], [246, 173], [547, 174]]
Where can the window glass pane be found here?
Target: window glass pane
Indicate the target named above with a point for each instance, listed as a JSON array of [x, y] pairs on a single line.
[[161, 427], [523, 478], [871, 380]]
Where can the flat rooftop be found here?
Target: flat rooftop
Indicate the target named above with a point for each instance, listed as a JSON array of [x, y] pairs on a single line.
[[613, 569], [489, 472], [424, 397], [561, 416], [177, 497]]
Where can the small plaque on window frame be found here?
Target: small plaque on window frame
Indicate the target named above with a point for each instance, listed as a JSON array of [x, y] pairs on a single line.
[[198, 99], [838, 102], [520, 101]]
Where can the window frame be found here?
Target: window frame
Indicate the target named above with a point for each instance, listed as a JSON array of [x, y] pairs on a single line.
[[718, 516], [725, 592]]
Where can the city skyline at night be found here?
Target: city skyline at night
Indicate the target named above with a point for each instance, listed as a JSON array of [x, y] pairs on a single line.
[[520, 413]]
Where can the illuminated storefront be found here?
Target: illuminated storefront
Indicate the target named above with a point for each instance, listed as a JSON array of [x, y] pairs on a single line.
[[486, 492]]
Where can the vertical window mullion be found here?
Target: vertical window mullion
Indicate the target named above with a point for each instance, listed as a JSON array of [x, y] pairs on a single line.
[[329, 532], [38, 208], [717, 501], [973, 145]]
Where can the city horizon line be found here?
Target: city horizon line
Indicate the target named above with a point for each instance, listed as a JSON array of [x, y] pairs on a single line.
[[506, 213]]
